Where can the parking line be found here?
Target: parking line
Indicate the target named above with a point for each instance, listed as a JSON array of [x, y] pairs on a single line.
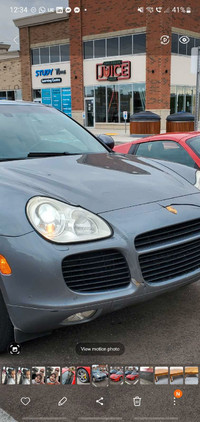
[[155, 418]]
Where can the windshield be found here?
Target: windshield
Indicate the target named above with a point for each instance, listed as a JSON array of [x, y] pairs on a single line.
[[194, 144], [27, 129]]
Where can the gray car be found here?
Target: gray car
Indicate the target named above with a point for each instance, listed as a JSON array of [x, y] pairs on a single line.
[[85, 231]]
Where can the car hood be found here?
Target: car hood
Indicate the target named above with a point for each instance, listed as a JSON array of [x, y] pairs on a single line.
[[100, 182], [97, 182]]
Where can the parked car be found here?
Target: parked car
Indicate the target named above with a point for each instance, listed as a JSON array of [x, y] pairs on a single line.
[[183, 148], [69, 207], [117, 377], [131, 377], [98, 376], [83, 374], [68, 376], [128, 372], [113, 371]]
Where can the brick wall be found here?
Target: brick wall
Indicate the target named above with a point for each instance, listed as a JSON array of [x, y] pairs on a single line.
[[34, 35], [76, 53], [49, 32], [10, 74], [25, 64]]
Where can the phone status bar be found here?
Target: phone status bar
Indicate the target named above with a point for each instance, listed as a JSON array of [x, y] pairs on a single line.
[[159, 9]]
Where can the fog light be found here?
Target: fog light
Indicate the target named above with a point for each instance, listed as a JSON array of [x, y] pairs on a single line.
[[4, 266], [80, 316]]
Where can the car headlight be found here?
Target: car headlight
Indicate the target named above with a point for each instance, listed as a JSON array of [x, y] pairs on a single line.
[[63, 223]]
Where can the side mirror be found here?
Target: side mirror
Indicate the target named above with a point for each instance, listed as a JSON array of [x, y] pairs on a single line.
[[107, 140]]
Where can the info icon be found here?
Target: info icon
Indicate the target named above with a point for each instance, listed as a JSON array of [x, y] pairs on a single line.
[[14, 349]]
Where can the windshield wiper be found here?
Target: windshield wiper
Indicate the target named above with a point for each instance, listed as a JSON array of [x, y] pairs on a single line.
[[51, 154], [12, 159]]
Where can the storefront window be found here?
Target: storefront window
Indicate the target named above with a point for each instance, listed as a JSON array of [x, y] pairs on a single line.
[[123, 45], [182, 99], [99, 48], [89, 91], [44, 55], [100, 104], [36, 94], [139, 97], [54, 54], [112, 100], [64, 52], [3, 95], [35, 56], [173, 105], [113, 104], [126, 101], [126, 45], [139, 43], [188, 99], [88, 49], [179, 47], [174, 48], [11, 95], [182, 48], [190, 45], [112, 47]]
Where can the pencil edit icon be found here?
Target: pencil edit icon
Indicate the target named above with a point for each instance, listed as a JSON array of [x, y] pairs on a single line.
[[62, 401]]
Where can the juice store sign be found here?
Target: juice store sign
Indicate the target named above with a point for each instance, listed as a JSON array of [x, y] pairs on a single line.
[[113, 70]]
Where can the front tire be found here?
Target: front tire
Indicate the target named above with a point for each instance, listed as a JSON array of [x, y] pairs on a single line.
[[6, 327], [83, 375]]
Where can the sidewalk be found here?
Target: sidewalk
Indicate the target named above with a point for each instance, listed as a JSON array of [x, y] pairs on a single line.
[[119, 136]]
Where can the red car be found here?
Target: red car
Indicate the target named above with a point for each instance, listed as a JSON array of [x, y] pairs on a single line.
[[132, 376], [183, 148], [117, 377]]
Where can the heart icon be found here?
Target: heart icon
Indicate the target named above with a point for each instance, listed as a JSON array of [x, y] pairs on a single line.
[[25, 400]]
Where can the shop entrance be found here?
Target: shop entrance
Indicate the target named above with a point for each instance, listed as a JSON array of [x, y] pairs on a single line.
[[89, 112]]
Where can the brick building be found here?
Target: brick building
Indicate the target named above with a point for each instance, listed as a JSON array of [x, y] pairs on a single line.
[[108, 59], [10, 73]]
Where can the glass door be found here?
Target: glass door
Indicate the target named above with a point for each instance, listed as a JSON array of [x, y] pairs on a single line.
[[89, 112]]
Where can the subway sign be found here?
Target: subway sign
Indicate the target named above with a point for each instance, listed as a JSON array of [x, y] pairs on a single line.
[[113, 70], [53, 73]]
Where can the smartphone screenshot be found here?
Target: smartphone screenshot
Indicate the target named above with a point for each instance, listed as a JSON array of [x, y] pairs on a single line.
[[99, 211]]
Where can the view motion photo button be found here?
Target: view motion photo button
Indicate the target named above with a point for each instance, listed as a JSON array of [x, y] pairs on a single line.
[[104, 349]]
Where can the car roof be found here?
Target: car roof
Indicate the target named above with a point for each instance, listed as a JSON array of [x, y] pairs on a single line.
[[175, 136]]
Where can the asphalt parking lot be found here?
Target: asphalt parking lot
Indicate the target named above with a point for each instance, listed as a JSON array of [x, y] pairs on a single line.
[[163, 331], [103, 383]]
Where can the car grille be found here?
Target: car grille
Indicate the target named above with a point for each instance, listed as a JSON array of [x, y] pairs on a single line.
[[96, 271], [168, 234], [167, 263]]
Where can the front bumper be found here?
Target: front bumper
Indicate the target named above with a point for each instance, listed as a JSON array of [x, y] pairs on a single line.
[[37, 297]]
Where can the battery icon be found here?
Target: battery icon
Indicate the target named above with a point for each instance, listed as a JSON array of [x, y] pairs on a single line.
[[188, 10]]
